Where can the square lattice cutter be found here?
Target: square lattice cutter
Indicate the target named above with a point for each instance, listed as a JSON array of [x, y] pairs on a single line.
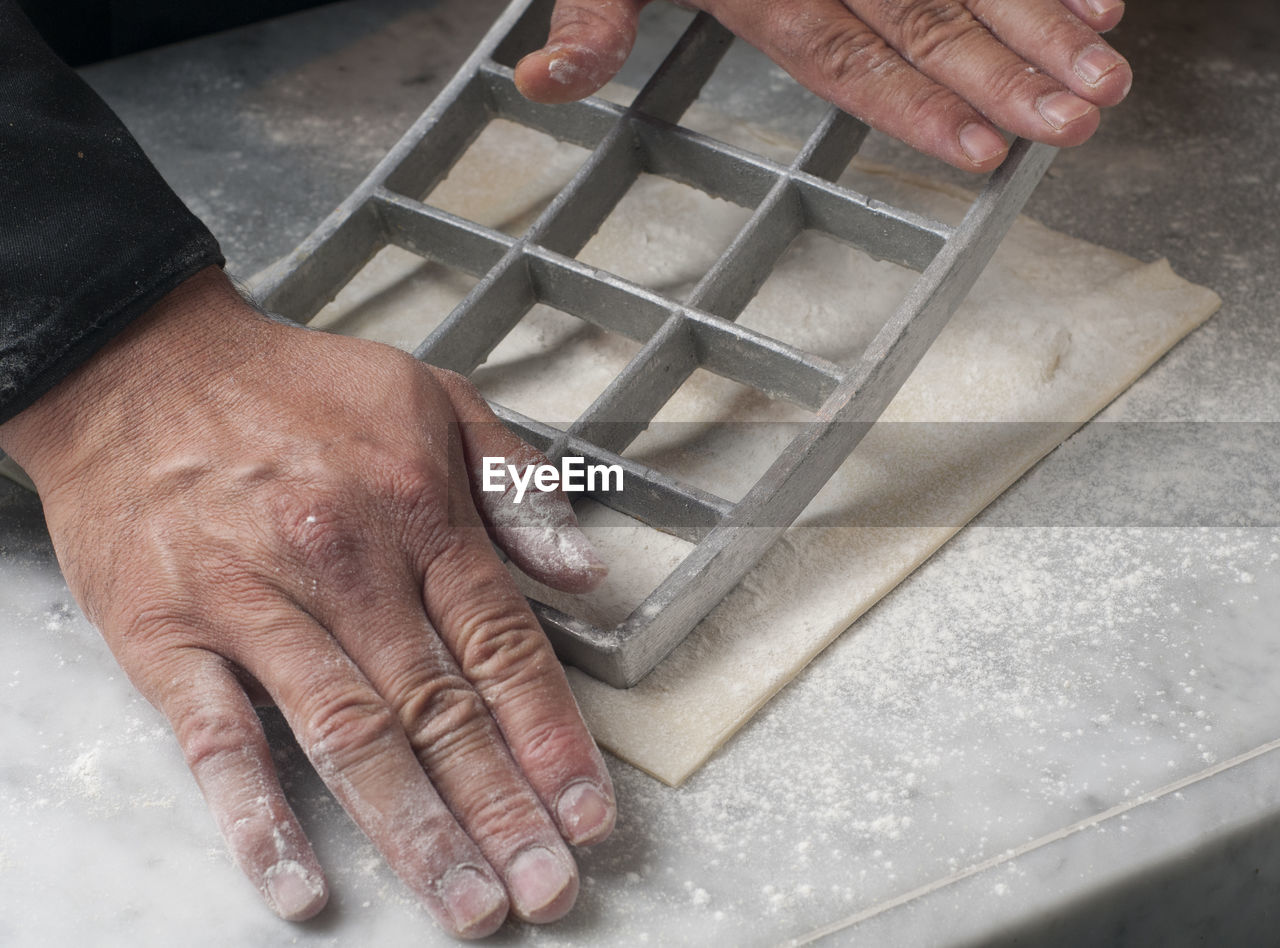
[[677, 336]]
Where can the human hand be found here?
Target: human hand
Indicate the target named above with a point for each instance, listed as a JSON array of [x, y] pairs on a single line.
[[941, 77], [242, 507]]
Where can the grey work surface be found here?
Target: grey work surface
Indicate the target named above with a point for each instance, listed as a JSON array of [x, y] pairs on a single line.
[[1049, 734]]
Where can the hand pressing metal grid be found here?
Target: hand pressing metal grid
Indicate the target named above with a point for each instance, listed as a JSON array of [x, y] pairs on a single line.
[[678, 337]]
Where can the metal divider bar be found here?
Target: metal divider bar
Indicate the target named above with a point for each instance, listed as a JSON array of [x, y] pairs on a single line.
[[439, 235], [629, 402]]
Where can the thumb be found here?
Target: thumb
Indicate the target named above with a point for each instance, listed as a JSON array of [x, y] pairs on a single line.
[[539, 531], [588, 43]]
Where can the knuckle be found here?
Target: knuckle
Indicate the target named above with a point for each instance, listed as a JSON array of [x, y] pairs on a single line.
[[846, 52], [409, 493], [1056, 27], [910, 20], [1067, 34], [1013, 82], [408, 485], [212, 738], [443, 715], [349, 729], [496, 641], [318, 526], [548, 744], [432, 530], [504, 812], [934, 31], [931, 105], [144, 622]]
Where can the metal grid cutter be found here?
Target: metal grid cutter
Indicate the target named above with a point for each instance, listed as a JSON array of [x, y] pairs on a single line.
[[677, 336]]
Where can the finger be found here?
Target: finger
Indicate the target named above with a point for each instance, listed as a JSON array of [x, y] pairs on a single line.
[[848, 63], [947, 43], [1051, 37], [225, 748], [462, 751], [1100, 15], [355, 741], [588, 42], [537, 529], [501, 650]]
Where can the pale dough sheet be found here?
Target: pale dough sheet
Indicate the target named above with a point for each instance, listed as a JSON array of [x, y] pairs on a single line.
[[1053, 331]]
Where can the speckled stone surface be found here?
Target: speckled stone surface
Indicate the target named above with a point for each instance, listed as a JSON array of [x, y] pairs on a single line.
[[1058, 731]]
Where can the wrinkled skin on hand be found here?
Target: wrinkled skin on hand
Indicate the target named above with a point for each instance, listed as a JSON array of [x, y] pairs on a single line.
[[941, 75], [246, 508]]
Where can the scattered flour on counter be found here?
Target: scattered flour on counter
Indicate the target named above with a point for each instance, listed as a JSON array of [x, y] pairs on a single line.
[[1028, 679], [85, 775]]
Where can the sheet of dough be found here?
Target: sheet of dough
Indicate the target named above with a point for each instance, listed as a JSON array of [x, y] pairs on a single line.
[[1054, 330]]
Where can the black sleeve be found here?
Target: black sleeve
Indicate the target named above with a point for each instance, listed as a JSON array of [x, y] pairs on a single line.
[[90, 234]]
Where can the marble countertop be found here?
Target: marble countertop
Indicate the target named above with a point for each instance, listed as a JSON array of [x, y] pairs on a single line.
[[1062, 729]]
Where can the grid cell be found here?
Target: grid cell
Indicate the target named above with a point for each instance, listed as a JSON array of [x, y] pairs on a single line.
[[862, 290], [507, 176], [548, 343], [396, 298], [718, 434], [664, 235]]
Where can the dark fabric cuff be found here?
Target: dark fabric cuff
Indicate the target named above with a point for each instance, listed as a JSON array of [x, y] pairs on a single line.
[[90, 234]]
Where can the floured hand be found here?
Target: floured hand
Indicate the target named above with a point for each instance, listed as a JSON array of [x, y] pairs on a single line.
[[242, 507]]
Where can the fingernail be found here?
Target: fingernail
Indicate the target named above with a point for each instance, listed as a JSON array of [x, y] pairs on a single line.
[[470, 898], [980, 143], [1103, 7], [1095, 62], [585, 813], [577, 552], [294, 892], [1060, 109], [536, 878]]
